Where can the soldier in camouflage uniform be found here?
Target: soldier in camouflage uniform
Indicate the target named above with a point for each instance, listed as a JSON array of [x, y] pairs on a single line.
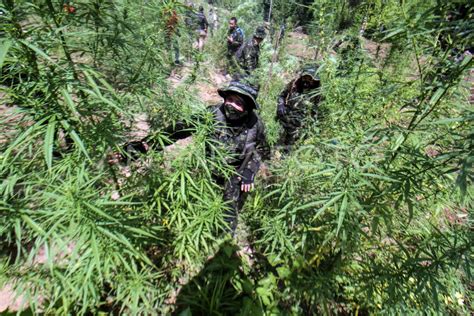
[[239, 130], [248, 54], [235, 39], [242, 132], [203, 26], [297, 104], [172, 33]]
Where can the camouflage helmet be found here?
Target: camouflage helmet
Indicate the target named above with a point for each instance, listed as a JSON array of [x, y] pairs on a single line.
[[247, 92], [260, 32], [310, 70]]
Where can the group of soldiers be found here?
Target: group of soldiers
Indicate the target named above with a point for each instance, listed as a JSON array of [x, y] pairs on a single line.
[[243, 56], [241, 132], [197, 27], [240, 129]]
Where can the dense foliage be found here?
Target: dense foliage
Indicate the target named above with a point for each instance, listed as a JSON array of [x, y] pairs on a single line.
[[370, 214]]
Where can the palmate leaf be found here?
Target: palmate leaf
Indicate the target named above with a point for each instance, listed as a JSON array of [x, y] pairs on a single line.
[[75, 137], [37, 50], [19, 144], [342, 213], [5, 45], [123, 240], [49, 142]]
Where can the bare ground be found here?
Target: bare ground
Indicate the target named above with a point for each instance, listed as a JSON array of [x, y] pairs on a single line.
[[207, 90], [378, 52], [10, 119], [298, 46]]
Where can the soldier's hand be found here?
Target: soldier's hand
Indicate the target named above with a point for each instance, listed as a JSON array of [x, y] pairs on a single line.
[[114, 158], [247, 187], [247, 179], [230, 39]]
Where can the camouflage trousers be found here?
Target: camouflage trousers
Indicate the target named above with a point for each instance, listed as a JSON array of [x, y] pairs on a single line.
[[232, 64], [235, 199], [292, 127], [291, 130], [173, 46], [289, 136]]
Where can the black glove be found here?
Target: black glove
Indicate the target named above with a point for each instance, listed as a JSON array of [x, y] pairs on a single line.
[[248, 176]]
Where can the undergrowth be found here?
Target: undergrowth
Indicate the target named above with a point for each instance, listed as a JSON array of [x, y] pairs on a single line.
[[369, 214]]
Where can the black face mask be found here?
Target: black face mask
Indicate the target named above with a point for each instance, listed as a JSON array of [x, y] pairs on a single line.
[[307, 84], [233, 114]]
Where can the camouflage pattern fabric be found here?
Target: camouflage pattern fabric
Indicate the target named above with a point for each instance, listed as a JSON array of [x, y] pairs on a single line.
[[237, 36], [248, 56], [247, 147], [295, 107]]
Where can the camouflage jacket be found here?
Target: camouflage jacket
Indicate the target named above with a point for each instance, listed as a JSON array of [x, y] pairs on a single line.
[[238, 38], [298, 105], [202, 21], [248, 55], [245, 143]]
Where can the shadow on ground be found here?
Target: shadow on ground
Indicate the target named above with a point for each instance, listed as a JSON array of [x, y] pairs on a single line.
[[221, 288]]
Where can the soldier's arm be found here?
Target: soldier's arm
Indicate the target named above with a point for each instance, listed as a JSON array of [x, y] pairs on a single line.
[[263, 148], [238, 39], [251, 60], [256, 152], [168, 136], [132, 151], [235, 43], [171, 134], [281, 106]]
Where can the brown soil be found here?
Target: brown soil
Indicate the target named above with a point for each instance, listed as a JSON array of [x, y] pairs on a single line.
[[139, 127], [207, 90], [377, 51], [9, 302], [10, 119], [298, 46]]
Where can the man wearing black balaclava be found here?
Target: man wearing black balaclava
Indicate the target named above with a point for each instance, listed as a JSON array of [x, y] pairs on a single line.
[[239, 132], [297, 104]]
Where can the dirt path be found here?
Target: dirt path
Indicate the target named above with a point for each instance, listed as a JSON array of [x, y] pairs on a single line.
[[298, 45], [10, 119], [206, 89]]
